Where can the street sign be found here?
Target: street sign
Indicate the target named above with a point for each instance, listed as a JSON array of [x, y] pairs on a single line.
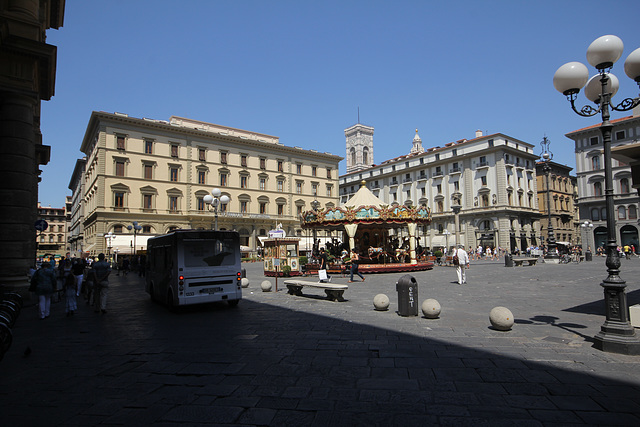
[[41, 225]]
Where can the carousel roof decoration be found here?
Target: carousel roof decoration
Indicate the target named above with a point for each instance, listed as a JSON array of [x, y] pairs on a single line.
[[364, 207]]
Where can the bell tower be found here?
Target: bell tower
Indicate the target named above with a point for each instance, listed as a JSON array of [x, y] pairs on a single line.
[[359, 147]]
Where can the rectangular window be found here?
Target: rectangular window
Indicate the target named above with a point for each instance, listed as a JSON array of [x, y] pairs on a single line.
[[202, 177], [314, 171], [619, 135], [120, 142], [243, 160], [280, 210], [593, 140], [202, 154], [483, 180], [147, 201], [117, 229], [118, 200], [223, 179], [148, 171], [148, 147], [243, 207], [280, 185], [329, 190], [439, 188], [263, 163], [299, 187], [173, 175], [223, 157], [456, 185], [174, 150], [314, 189], [119, 168], [200, 204], [280, 166], [299, 210], [263, 184], [299, 169], [243, 181], [328, 173], [173, 203], [263, 208]]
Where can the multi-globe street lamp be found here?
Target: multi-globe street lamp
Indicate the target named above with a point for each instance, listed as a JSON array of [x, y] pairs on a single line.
[[215, 200], [135, 227], [552, 247], [588, 229], [616, 334], [109, 238]]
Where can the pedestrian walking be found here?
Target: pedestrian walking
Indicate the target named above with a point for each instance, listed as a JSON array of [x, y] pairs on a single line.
[[100, 272], [461, 261], [355, 260], [43, 283], [324, 277], [78, 271], [70, 287]]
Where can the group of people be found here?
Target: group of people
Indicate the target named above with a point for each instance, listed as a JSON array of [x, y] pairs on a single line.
[[70, 276], [354, 261]]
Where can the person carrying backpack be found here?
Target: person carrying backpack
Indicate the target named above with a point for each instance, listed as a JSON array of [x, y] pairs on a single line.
[[43, 283]]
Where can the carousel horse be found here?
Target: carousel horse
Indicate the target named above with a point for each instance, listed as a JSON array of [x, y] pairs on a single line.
[[374, 253], [401, 254]]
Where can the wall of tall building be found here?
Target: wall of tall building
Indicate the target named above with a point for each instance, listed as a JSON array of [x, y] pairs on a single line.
[[157, 173], [492, 179]]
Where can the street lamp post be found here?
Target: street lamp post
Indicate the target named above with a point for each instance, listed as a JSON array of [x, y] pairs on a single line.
[[552, 248], [588, 227], [135, 227], [616, 335], [314, 205], [446, 233], [215, 200], [109, 238]]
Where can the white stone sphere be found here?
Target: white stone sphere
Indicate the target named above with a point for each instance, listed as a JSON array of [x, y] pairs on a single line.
[[266, 286], [244, 282], [501, 318], [381, 302], [431, 308]]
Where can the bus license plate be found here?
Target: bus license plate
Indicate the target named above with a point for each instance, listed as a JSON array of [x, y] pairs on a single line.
[[211, 290]]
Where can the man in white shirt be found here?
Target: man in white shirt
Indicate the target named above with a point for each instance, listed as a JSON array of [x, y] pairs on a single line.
[[462, 264]]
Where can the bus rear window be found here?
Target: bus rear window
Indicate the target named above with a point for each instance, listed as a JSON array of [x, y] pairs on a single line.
[[209, 253]]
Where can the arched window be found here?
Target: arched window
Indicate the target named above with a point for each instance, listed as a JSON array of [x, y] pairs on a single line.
[[622, 212], [624, 185], [597, 188], [633, 212], [353, 156], [365, 155], [603, 213], [595, 163], [595, 214]]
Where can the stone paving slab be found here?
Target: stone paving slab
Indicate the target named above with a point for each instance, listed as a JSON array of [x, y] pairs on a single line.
[[279, 359]]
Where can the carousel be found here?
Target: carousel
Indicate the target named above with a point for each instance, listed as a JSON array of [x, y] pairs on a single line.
[[376, 231]]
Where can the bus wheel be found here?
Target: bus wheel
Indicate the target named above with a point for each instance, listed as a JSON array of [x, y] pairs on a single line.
[[233, 302], [170, 304]]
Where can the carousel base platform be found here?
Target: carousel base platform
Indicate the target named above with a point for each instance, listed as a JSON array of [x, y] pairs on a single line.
[[394, 267]]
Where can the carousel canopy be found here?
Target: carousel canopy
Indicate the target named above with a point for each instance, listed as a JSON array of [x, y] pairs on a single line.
[[365, 208]]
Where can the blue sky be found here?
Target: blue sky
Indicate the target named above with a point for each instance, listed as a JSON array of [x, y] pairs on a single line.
[[300, 70]]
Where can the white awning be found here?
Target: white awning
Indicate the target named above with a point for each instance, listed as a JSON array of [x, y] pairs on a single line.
[[439, 241]]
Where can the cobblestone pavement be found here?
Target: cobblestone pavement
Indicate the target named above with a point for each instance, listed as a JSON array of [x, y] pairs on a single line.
[[284, 360]]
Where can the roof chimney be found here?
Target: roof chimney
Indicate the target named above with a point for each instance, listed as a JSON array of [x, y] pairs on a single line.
[[478, 133]]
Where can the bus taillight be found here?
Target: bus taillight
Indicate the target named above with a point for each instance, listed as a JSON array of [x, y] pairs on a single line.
[[181, 283]]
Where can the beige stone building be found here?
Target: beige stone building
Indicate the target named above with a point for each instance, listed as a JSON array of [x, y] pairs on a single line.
[[157, 173], [563, 192], [53, 240]]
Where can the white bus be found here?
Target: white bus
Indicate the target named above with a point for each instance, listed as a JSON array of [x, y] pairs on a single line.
[[194, 267]]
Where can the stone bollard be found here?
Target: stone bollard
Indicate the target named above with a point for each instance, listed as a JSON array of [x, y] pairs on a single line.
[[501, 318], [244, 282], [266, 286], [381, 302], [431, 308]]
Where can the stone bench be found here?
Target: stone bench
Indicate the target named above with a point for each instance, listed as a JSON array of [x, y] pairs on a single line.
[[334, 292], [519, 262]]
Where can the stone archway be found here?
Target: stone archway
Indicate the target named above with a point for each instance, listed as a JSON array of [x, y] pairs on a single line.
[[629, 235]]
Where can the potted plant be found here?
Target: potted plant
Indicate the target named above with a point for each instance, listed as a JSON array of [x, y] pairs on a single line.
[[438, 255]]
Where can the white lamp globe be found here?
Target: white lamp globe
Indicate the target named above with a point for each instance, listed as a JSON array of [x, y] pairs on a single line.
[[632, 65], [593, 90], [224, 199], [605, 51], [216, 192], [571, 77], [208, 199]]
